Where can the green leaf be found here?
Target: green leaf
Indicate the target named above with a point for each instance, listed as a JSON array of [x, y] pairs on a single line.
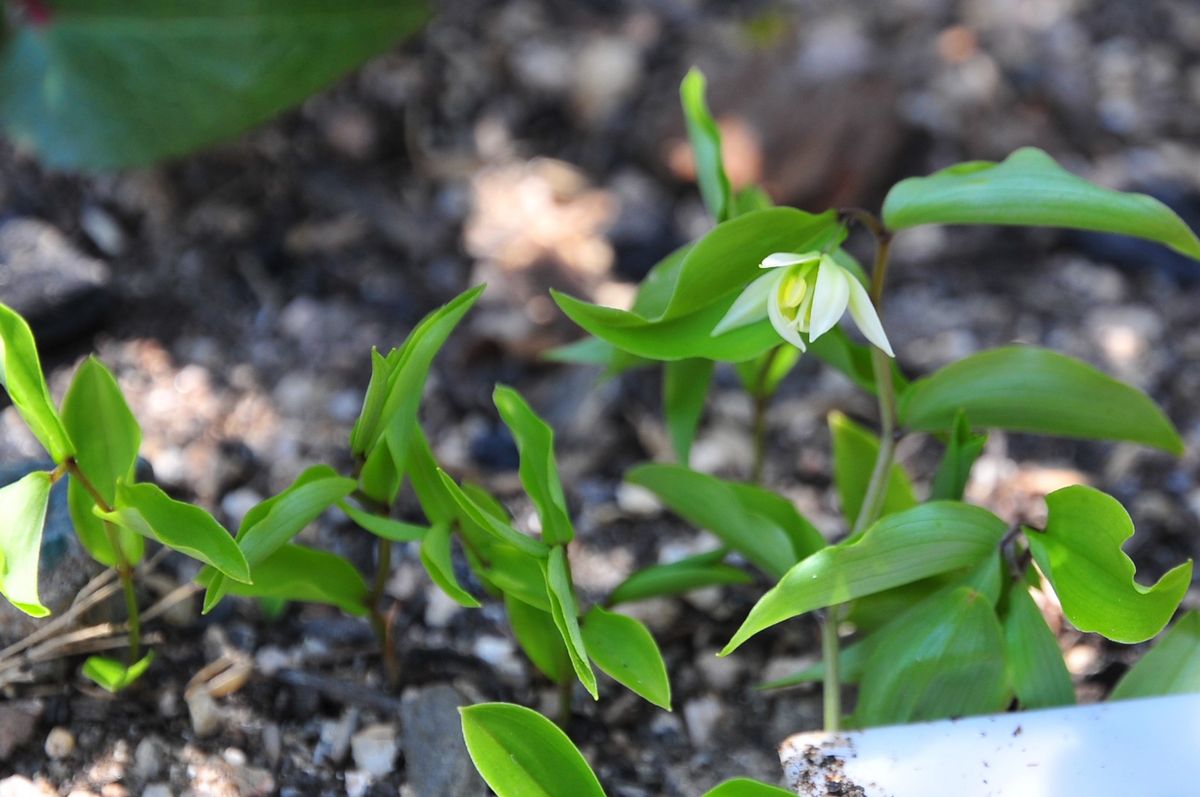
[[1030, 188], [538, 471], [761, 376], [22, 516], [805, 537], [98, 85], [106, 435], [1080, 552], [518, 575], [1171, 667], [92, 533], [149, 511], [436, 558], [112, 675], [853, 359], [744, 787], [422, 470], [296, 573], [944, 661], [624, 649], [710, 503], [854, 453], [954, 471], [380, 478], [1028, 389], [21, 376], [377, 391], [705, 139], [685, 387], [1035, 663], [565, 612], [520, 753], [490, 523], [677, 578], [383, 527], [898, 549], [748, 200], [538, 636], [273, 522]]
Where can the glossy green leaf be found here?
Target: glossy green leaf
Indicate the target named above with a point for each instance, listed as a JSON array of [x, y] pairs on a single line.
[[565, 611], [22, 517], [624, 649], [273, 522], [538, 470], [520, 753], [518, 575], [897, 549], [705, 139], [97, 83], [438, 563], [490, 523], [1171, 667], [21, 377], [712, 504], [854, 453], [744, 787], [954, 471], [92, 533], [538, 636], [1035, 663], [1030, 188], [944, 661], [149, 511], [685, 388], [102, 427], [676, 578], [112, 675], [1028, 389], [1080, 552], [296, 573], [383, 527]]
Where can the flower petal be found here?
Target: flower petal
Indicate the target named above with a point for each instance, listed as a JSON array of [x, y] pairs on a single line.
[[829, 299], [785, 328], [781, 259], [749, 307], [863, 312]]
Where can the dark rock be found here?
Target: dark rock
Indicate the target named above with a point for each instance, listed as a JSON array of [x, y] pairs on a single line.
[[62, 292], [494, 449], [435, 756], [18, 721]]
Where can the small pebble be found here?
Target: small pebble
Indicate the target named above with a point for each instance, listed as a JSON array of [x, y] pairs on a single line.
[[357, 783], [60, 743], [148, 758], [205, 714], [272, 742], [374, 749], [157, 790], [701, 716]]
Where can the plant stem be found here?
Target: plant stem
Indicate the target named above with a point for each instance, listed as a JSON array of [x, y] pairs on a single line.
[[565, 687], [881, 366], [379, 621], [122, 565], [762, 402]]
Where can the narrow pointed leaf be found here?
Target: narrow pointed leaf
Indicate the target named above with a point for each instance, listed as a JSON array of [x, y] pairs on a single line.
[[1030, 188], [854, 453], [538, 470], [565, 611], [538, 636], [1080, 552], [22, 517], [438, 563], [112, 675], [954, 470], [705, 139], [805, 537], [624, 649], [685, 388], [1057, 396], [422, 471], [21, 376], [296, 573], [1035, 663], [677, 578], [1171, 667], [490, 523], [520, 753], [383, 527], [898, 549]]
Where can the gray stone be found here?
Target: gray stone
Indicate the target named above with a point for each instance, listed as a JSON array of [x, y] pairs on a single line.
[[435, 756], [374, 749], [62, 292], [149, 758], [60, 743], [64, 566], [18, 721]]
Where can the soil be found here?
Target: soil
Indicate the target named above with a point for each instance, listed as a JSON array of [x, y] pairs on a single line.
[[533, 145]]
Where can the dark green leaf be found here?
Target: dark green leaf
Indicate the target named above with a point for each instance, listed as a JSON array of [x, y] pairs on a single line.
[[149, 511], [1028, 389], [1171, 667], [761, 376], [685, 387], [744, 787], [422, 470], [436, 558], [100, 84], [112, 675], [954, 471], [712, 504], [623, 648], [296, 573], [538, 636], [854, 453], [380, 478], [677, 578], [21, 376], [898, 549], [22, 516], [805, 537], [1029, 188], [1035, 662], [565, 611], [1080, 552], [946, 660], [538, 471], [490, 523], [705, 139], [383, 527], [105, 433], [520, 753]]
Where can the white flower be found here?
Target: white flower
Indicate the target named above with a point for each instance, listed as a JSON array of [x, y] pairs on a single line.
[[806, 293]]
